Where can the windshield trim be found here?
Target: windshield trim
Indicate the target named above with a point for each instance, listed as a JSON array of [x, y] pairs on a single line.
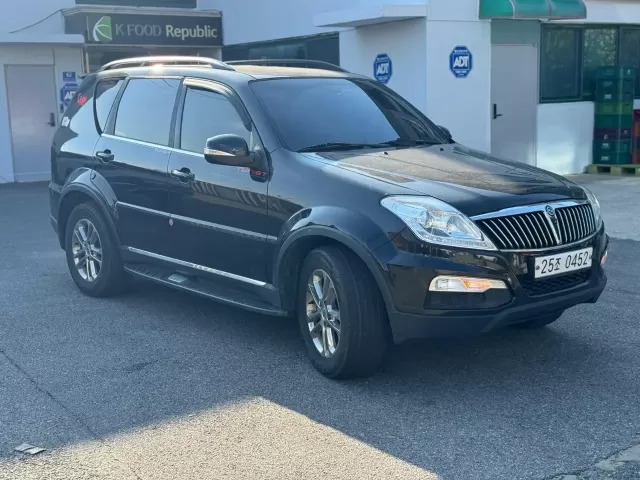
[[431, 127]]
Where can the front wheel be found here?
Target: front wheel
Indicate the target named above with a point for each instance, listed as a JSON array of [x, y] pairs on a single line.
[[539, 322], [341, 313], [92, 256]]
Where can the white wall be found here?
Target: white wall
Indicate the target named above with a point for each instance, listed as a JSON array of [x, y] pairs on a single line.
[[612, 11], [404, 42], [460, 104], [565, 136], [66, 59]]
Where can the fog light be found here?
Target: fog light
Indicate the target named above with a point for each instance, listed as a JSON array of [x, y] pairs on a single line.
[[603, 260], [464, 284]]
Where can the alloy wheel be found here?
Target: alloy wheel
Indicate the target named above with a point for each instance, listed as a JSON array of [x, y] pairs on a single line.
[[323, 313], [86, 248]]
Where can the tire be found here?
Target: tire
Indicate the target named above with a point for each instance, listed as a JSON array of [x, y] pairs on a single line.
[[363, 324], [110, 277], [540, 322]]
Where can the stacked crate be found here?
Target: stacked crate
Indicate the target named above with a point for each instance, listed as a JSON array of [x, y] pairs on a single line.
[[613, 144], [636, 137]]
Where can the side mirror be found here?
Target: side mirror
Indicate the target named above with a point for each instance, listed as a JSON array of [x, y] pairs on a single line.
[[445, 131], [228, 149]]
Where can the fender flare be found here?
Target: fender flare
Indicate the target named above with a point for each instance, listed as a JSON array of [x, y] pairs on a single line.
[[354, 230], [93, 185]]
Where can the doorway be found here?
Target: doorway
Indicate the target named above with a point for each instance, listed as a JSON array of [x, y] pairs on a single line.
[[514, 102], [31, 95]]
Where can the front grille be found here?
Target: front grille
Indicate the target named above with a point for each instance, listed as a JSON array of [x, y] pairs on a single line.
[[537, 229], [535, 288]]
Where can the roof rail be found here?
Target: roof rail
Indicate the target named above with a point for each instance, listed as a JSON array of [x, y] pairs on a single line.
[[301, 63], [165, 60]]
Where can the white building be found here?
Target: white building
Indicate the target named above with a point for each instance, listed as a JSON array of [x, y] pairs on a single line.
[[523, 91]]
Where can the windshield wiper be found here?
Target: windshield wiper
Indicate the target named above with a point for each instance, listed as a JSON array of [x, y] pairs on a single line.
[[410, 142], [334, 146]]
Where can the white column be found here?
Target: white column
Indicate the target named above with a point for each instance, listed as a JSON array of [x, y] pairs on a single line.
[[462, 105]]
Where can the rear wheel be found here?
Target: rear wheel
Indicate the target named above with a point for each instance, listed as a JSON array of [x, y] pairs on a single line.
[[92, 256], [341, 314], [539, 322]]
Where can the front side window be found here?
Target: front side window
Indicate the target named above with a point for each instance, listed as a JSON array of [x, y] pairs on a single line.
[[206, 114], [145, 110], [326, 112]]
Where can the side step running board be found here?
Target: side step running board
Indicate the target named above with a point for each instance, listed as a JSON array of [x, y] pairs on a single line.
[[205, 288]]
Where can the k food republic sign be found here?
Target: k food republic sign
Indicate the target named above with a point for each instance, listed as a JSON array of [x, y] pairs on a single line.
[[122, 29]]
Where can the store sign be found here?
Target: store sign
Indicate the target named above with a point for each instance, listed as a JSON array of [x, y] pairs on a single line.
[[135, 29], [382, 68], [460, 61]]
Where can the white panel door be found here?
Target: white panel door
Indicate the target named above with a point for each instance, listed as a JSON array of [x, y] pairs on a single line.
[[514, 99], [32, 114]]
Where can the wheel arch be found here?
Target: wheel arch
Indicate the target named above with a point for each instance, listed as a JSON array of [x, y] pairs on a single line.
[[83, 188], [300, 243]]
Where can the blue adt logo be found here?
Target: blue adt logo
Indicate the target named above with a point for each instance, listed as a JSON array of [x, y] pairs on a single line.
[[460, 61], [382, 68], [67, 92]]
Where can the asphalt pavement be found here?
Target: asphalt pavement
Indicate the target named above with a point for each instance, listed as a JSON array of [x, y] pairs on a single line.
[[157, 384]]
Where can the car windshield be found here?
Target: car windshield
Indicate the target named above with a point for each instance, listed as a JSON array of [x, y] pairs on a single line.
[[315, 114]]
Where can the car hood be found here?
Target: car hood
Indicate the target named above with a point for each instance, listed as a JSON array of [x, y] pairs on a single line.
[[472, 181]]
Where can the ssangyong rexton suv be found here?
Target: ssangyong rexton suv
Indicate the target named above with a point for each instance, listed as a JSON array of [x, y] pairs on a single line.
[[317, 193]]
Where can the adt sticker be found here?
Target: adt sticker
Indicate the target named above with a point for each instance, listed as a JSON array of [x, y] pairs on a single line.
[[460, 61], [69, 77], [67, 92], [382, 68]]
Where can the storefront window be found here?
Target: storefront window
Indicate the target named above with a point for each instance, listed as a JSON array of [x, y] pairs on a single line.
[[321, 47], [559, 76], [599, 51], [569, 56]]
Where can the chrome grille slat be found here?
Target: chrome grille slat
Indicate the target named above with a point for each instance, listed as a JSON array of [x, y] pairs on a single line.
[[515, 229], [506, 229], [528, 219], [536, 230]]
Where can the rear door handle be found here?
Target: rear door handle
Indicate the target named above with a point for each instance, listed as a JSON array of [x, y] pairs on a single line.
[[184, 175], [105, 156]]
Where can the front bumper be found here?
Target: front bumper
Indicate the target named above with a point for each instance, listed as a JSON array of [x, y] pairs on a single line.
[[409, 267]]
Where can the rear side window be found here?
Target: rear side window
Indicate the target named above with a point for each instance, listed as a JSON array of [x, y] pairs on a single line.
[[206, 114], [145, 110], [106, 92]]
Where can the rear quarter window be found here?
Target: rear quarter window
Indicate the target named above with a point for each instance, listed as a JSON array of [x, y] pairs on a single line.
[[105, 94]]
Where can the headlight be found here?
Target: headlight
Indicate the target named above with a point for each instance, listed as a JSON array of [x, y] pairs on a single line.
[[595, 204], [437, 222]]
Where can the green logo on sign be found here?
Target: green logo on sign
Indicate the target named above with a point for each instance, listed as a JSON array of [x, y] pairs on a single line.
[[102, 31]]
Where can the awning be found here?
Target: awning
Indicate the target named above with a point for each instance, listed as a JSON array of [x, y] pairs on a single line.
[[531, 9]]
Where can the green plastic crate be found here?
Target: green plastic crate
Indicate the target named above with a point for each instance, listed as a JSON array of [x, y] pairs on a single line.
[[606, 147], [615, 90], [614, 108], [615, 72], [613, 121], [612, 159]]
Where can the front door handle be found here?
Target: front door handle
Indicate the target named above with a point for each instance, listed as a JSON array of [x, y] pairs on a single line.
[[184, 175], [495, 111], [105, 156], [52, 119]]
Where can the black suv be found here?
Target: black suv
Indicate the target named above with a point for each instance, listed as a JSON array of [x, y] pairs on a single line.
[[317, 193]]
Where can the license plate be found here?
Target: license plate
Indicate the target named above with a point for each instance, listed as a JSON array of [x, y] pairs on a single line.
[[563, 262]]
